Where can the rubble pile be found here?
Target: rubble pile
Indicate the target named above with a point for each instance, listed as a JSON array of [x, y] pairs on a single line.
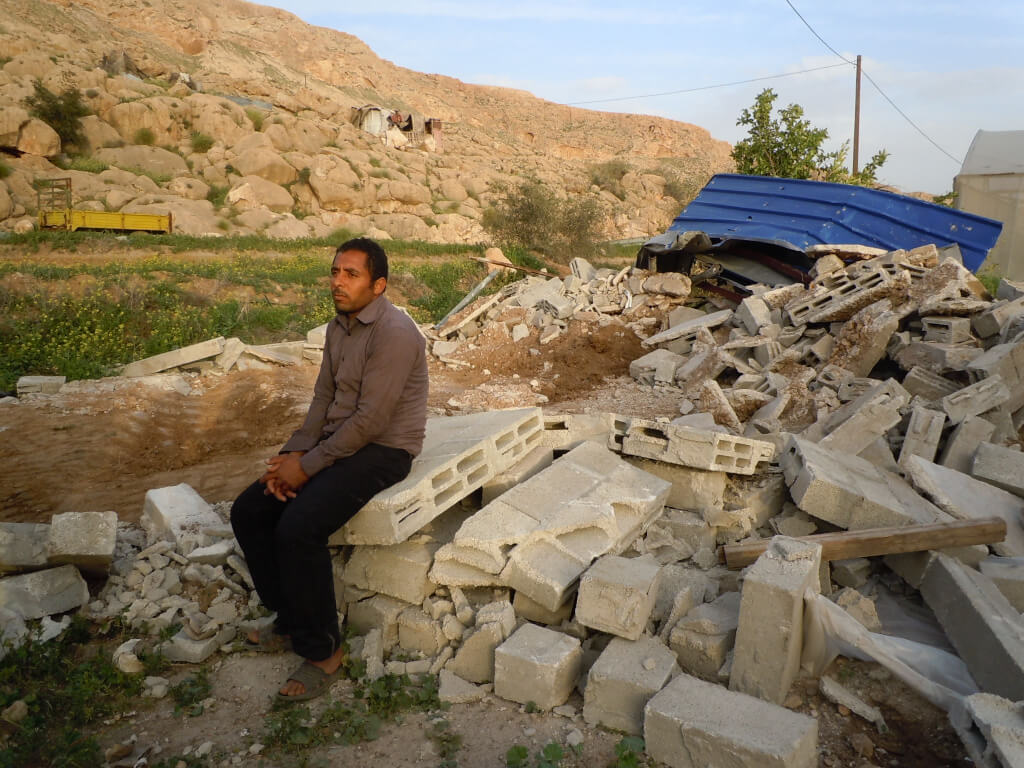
[[531, 554]]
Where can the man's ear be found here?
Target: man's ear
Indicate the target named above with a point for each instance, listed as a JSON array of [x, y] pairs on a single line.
[[379, 285]]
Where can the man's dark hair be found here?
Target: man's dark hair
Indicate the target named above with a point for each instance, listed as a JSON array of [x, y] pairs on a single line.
[[376, 259]]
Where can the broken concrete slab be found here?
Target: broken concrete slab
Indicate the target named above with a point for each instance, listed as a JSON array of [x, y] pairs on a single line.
[[693, 724], [991, 729], [700, 449], [452, 689], [923, 383], [45, 385], [923, 435], [623, 679], [187, 650], [43, 593], [474, 660], [769, 638], [174, 358], [987, 632], [689, 328], [964, 441], [23, 546], [533, 462], [1007, 573], [378, 612], [965, 498], [693, 489], [999, 466], [460, 454], [177, 514], [703, 638], [975, 399], [538, 665], [417, 632], [862, 428], [616, 595], [83, 539], [563, 432]]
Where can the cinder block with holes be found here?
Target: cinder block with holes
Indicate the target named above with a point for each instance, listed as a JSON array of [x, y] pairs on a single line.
[[975, 399], [946, 330], [460, 454], [715, 451]]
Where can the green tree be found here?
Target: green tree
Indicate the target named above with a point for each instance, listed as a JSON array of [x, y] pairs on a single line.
[[62, 112], [790, 147]]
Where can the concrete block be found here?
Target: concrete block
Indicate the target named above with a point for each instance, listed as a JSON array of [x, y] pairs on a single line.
[[418, 632], [851, 573], [537, 459], [185, 649], [987, 632], [689, 328], [989, 323], [965, 498], [999, 466], [1007, 573], [174, 358], [46, 385], [43, 593], [923, 435], [527, 609], [947, 330], [858, 394], [215, 554], [233, 349], [563, 432], [377, 612], [398, 570], [695, 489], [452, 689], [964, 441], [991, 729], [538, 665], [975, 399], [769, 638], [704, 637], [23, 546], [694, 724], [921, 382], [460, 454], [700, 449], [623, 679], [844, 490], [753, 313], [177, 514], [474, 660], [1005, 361], [862, 428], [643, 368], [616, 595], [500, 612], [935, 357], [83, 539], [542, 534]]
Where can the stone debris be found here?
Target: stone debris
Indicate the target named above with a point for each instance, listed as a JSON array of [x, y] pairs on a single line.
[[521, 541]]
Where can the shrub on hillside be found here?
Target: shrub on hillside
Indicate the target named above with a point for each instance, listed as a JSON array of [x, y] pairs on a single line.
[[531, 216], [144, 136], [609, 176], [62, 112], [255, 117], [201, 142]]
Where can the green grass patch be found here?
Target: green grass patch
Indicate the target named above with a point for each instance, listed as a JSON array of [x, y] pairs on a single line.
[[990, 280], [159, 178], [445, 284], [5, 170], [255, 117], [65, 689], [201, 142], [217, 195], [144, 136], [86, 163]]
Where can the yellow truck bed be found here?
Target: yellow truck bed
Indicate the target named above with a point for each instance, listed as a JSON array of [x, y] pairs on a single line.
[[71, 219]]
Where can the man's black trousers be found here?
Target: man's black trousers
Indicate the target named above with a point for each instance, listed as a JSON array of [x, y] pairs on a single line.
[[285, 542]]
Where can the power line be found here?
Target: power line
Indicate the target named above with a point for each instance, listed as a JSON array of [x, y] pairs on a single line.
[[876, 85], [704, 87]]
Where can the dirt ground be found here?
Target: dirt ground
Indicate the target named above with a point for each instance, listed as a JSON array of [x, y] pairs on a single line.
[[102, 450]]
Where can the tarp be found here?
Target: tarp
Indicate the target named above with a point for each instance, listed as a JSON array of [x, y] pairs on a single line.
[[804, 213]]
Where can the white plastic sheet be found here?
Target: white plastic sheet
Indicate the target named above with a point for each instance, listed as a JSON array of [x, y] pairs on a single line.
[[829, 631]]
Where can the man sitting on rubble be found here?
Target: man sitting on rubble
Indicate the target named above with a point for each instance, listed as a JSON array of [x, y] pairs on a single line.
[[364, 426]]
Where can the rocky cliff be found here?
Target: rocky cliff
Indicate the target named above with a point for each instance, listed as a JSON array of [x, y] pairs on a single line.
[[237, 118]]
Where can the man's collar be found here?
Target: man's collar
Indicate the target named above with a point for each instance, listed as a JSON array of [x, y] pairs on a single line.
[[367, 314]]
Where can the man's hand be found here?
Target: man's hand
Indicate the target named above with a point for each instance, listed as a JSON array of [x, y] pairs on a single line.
[[284, 477]]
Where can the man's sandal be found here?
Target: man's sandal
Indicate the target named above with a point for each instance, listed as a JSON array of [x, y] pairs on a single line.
[[269, 642], [313, 679]]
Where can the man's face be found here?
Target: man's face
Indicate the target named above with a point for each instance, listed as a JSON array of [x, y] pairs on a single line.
[[351, 285]]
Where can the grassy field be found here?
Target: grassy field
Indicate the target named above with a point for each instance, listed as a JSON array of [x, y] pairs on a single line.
[[81, 319]]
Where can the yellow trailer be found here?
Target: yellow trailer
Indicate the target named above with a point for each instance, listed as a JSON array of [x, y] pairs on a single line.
[[55, 212]]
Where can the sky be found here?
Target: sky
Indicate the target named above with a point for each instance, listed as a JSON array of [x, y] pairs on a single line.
[[951, 67]]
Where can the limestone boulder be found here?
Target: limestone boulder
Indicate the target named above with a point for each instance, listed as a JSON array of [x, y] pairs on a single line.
[[37, 138], [152, 159], [307, 137], [190, 217], [255, 192], [401, 226], [287, 227], [188, 187], [11, 120], [336, 185], [266, 164], [279, 137], [98, 134], [252, 141], [452, 189], [116, 199], [24, 225], [33, 65], [474, 186], [218, 118], [130, 180], [6, 203], [162, 115], [403, 192], [257, 219]]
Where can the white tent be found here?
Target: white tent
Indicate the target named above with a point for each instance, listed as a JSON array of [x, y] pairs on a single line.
[[991, 183]]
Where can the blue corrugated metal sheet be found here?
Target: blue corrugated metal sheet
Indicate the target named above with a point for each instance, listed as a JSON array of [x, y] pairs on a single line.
[[806, 213]]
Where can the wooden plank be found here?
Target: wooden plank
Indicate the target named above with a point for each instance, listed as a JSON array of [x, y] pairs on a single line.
[[871, 542]]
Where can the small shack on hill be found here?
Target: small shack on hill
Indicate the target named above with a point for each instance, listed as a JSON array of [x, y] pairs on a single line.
[[991, 183]]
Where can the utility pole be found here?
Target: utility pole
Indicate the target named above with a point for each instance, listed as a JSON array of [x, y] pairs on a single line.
[[856, 122]]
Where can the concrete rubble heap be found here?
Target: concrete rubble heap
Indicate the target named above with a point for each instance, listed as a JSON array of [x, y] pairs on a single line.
[[532, 554]]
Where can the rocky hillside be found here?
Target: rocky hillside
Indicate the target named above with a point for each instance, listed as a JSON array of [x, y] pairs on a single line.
[[237, 118]]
